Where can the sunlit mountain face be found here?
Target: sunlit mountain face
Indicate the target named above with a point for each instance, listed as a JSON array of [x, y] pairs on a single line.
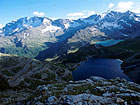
[[28, 36]]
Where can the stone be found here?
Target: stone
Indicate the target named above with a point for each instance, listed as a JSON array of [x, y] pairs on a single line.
[[89, 81], [108, 94], [95, 79], [44, 76], [52, 99], [39, 103], [70, 81], [120, 101]]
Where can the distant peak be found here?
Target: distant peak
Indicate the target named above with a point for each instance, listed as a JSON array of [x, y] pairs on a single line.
[[130, 12]]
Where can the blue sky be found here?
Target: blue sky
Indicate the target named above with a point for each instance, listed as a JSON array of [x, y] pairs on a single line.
[[14, 9]]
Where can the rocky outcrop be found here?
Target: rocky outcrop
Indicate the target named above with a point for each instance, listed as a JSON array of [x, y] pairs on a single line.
[[95, 90], [131, 67]]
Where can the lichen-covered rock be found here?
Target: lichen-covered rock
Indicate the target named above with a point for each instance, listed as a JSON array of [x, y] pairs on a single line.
[[88, 92], [95, 79]]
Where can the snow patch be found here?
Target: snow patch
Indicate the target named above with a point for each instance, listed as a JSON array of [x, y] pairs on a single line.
[[106, 24], [46, 21], [16, 30], [26, 35], [67, 25], [34, 22], [103, 15], [51, 29], [25, 25], [28, 18], [137, 19]]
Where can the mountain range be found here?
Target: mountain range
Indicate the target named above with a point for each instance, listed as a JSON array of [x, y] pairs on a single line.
[[37, 36]]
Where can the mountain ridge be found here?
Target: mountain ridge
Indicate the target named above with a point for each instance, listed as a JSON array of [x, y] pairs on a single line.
[[29, 36], [67, 23]]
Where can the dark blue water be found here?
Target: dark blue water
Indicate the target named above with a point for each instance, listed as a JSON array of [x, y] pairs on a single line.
[[106, 68]]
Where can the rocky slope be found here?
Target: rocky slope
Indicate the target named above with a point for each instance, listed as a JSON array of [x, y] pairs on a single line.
[[20, 72], [94, 50], [95, 90], [131, 67]]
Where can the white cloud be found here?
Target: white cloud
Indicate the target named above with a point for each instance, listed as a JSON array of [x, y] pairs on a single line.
[[75, 14], [83, 14], [1, 26], [128, 5], [124, 6], [38, 13], [136, 10], [111, 5]]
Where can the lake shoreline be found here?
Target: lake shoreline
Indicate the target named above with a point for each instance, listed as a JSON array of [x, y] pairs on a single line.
[[114, 60]]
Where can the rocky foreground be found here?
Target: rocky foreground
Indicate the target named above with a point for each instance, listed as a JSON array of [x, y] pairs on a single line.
[[30, 82], [93, 91]]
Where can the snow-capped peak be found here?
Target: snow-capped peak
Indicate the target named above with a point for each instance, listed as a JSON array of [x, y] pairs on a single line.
[[109, 19], [22, 24], [46, 20], [104, 14]]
